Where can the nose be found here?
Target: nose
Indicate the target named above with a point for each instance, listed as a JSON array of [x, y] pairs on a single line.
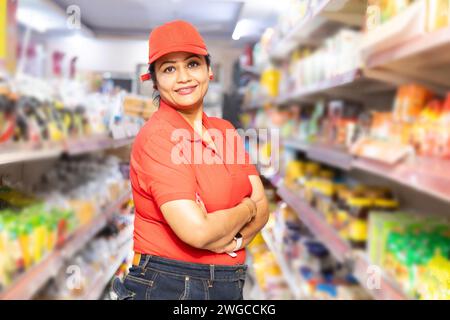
[[183, 75]]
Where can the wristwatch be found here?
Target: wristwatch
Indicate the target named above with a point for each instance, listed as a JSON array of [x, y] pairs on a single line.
[[238, 237]]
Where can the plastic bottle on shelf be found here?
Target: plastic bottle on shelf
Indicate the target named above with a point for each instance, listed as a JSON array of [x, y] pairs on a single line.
[[26, 240], [359, 209]]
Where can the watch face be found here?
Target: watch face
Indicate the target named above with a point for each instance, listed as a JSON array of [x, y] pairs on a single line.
[[238, 235]]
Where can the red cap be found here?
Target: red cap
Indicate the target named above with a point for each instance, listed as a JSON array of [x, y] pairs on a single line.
[[174, 36]]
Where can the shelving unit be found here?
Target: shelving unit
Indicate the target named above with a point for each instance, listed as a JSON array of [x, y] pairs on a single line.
[[400, 51], [29, 283], [102, 280], [426, 175], [284, 266], [357, 84], [317, 224], [319, 22], [329, 155], [18, 155], [314, 220], [72, 147], [409, 61]]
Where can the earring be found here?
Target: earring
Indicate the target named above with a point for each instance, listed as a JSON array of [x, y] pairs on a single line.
[[211, 77]]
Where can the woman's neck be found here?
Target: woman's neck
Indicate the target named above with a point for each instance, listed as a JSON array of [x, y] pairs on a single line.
[[193, 117]]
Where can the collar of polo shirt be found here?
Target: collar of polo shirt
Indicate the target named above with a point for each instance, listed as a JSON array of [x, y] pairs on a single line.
[[170, 115]]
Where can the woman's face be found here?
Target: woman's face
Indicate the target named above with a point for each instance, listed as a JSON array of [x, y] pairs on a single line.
[[182, 79]]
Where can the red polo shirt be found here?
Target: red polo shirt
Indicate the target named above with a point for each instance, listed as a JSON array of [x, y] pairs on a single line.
[[165, 166]]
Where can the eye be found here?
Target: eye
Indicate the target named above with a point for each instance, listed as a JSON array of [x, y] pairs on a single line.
[[169, 69], [193, 64]]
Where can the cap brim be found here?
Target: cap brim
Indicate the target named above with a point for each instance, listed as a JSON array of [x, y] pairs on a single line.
[[183, 48]]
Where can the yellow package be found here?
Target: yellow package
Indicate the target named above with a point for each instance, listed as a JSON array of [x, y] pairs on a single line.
[[84, 210], [438, 14]]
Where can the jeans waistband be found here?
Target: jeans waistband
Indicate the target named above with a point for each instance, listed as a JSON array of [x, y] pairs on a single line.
[[197, 270]]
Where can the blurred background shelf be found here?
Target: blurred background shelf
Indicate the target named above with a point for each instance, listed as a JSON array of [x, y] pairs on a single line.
[[73, 147], [285, 269], [295, 144], [315, 221], [102, 280], [412, 52], [356, 84], [319, 22], [375, 280], [330, 155], [334, 72], [426, 175], [14, 156], [29, 283], [404, 50], [81, 146]]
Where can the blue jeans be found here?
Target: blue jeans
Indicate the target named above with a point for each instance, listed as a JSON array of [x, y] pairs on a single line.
[[157, 278]]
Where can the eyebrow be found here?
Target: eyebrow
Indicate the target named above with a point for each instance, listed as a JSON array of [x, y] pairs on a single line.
[[171, 61]]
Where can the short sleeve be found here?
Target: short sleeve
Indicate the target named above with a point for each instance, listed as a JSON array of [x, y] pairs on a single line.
[[158, 174], [249, 168]]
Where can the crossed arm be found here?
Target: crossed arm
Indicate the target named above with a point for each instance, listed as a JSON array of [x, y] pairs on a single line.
[[215, 231]]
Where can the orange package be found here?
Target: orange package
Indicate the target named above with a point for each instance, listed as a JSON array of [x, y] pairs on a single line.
[[410, 101]]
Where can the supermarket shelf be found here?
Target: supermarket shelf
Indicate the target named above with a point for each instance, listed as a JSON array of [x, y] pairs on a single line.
[[253, 106], [252, 289], [28, 284], [118, 143], [285, 269], [81, 146], [329, 155], [324, 86], [409, 61], [426, 175], [304, 28], [435, 43], [100, 283], [388, 288], [319, 22], [72, 147], [316, 223], [356, 84], [14, 156], [295, 144]]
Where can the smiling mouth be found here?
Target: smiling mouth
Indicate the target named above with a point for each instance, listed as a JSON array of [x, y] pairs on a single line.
[[186, 90]]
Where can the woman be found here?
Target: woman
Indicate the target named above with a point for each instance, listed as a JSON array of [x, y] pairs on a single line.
[[197, 206]]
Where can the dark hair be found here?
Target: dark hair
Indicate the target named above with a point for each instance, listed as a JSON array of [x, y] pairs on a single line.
[[151, 70]]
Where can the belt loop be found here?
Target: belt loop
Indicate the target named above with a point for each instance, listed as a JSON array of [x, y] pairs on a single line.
[[211, 275], [147, 260]]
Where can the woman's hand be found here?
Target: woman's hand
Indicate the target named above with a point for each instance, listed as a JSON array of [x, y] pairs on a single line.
[[228, 248]]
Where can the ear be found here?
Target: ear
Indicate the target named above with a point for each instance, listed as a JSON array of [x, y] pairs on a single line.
[[210, 73]]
